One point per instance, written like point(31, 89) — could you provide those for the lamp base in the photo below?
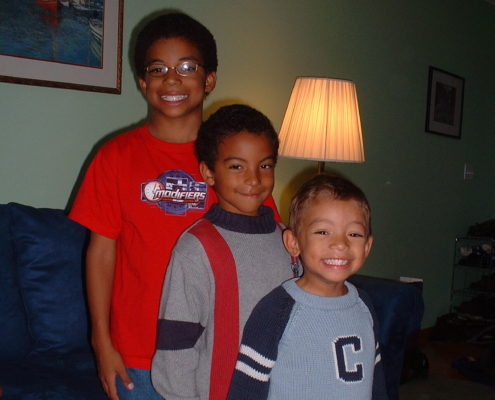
point(321, 167)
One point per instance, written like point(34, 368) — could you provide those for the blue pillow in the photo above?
point(14, 333)
point(49, 249)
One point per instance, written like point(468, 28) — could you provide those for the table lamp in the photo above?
point(322, 122)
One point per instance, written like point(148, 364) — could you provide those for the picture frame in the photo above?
point(444, 103)
point(106, 77)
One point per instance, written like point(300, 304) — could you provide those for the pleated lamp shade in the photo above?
point(322, 122)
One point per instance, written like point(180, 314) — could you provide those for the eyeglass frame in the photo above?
point(174, 68)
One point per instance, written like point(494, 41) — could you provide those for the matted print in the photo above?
point(73, 44)
point(444, 104)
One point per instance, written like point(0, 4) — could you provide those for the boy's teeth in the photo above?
point(336, 262)
point(174, 98)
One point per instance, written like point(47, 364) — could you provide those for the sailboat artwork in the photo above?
point(87, 8)
point(62, 31)
point(96, 26)
point(50, 5)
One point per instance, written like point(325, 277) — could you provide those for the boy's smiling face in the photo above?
point(244, 173)
point(332, 243)
point(174, 97)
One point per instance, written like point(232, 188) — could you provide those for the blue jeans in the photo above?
point(143, 390)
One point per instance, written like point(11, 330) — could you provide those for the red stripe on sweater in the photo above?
point(226, 316)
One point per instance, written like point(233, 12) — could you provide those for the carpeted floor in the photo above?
point(437, 387)
point(445, 382)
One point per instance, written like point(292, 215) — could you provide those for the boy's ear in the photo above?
point(142, 85)
point(291, 243)
point(367, 247)
point(207, 175)
point(211, 81)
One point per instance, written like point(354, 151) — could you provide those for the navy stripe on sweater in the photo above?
point(177, 335)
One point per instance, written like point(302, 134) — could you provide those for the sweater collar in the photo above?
point(348, 300)
point(264, 223)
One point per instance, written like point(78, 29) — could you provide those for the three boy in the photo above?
point(127, 201)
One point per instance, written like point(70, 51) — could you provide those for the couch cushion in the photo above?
point(49, 250)
point(71, 376)
point(14, 334)
point(399, 306)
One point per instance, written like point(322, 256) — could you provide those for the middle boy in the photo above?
point(223, 264)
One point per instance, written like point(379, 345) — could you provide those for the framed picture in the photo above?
point(444, 104)
point(70, 44)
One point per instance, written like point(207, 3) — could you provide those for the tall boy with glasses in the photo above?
point(140, 192)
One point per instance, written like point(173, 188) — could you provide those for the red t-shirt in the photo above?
point(144, 192)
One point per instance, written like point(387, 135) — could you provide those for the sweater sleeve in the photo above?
point(183, 315)
point(259, 346)
point(379, 391)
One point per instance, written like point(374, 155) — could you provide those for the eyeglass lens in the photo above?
point(184, 69)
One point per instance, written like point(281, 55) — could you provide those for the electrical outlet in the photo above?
point(468, 172)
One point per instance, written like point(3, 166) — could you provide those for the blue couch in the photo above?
point(44, 338)
point(400, 309)
point(44, 343)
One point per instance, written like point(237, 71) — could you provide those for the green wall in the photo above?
point(414, 180)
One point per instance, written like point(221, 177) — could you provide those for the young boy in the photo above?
point(224, 263)
point(316, 337)
point(142, 190)
point(136, 200)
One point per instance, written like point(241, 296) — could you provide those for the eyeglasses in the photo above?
point(187, 68)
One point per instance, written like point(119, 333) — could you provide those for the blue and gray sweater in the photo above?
point(300, 346)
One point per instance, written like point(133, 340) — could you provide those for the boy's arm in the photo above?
point(379, 391)
point(100, 267)
point(259, 347)
point(379, 384)
point(183, 316)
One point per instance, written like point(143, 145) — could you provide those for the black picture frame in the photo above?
point(444, 103)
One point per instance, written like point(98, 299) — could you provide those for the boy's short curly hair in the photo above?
point(226, 122)
point(332, 186)
point(176, 25)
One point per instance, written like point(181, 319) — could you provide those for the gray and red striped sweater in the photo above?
point(219, 269)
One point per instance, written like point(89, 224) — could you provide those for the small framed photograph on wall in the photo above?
point(444, 103)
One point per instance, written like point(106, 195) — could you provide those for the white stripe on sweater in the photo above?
point(251, 372)
point(255, 356)
point(378, 356)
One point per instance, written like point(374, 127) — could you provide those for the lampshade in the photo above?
point(322, 122)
